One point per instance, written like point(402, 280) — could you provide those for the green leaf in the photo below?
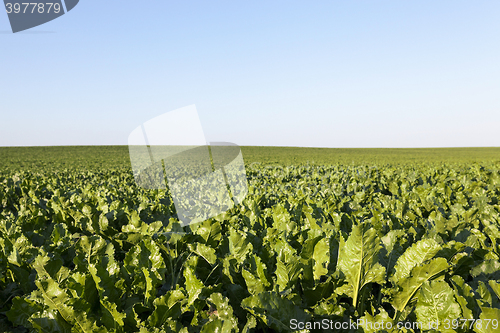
point(489, 268)
point(50, 321)
point(419, 275)
point(111, 317)
point(255, 275)
point(259, 269)
point(465, 297)
point(372, 324)
point(88, 250)
point(58, 300)
point(321, 258)
point(222, 316)
point(282, 219)
point(167, 306)
point(206, 252)
point(391, 239)
point(485, 298)
point(394, 248)
point(215, 325)
point(436, 304)
point(239, 245)
point(490, 321)
point(358, 260)
point(21, 311)
point(274, 311)
point(450, 250)
point(495, 286)
point(193, 285)
point(251, 324)
point(210, 230)
point(105, 273)
point(82, 286)
point(287, 273)
point(308, 247)
point(415, 255)
point(284, 251)
point(253, 283)
point(311, 296)
point(146, 269)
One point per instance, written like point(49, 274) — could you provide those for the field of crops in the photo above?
point(407, 239)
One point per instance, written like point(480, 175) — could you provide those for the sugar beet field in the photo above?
point(327, 240)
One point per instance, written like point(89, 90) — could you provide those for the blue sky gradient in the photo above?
point(275, 73)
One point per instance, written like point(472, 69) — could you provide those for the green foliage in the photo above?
point(436, 303)
point(358, 261)
point(384, 239)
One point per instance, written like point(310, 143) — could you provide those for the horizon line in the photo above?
point(310, 147)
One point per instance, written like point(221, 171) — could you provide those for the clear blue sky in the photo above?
point(286, 73)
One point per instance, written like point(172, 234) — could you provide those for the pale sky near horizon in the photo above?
point(275, 73)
